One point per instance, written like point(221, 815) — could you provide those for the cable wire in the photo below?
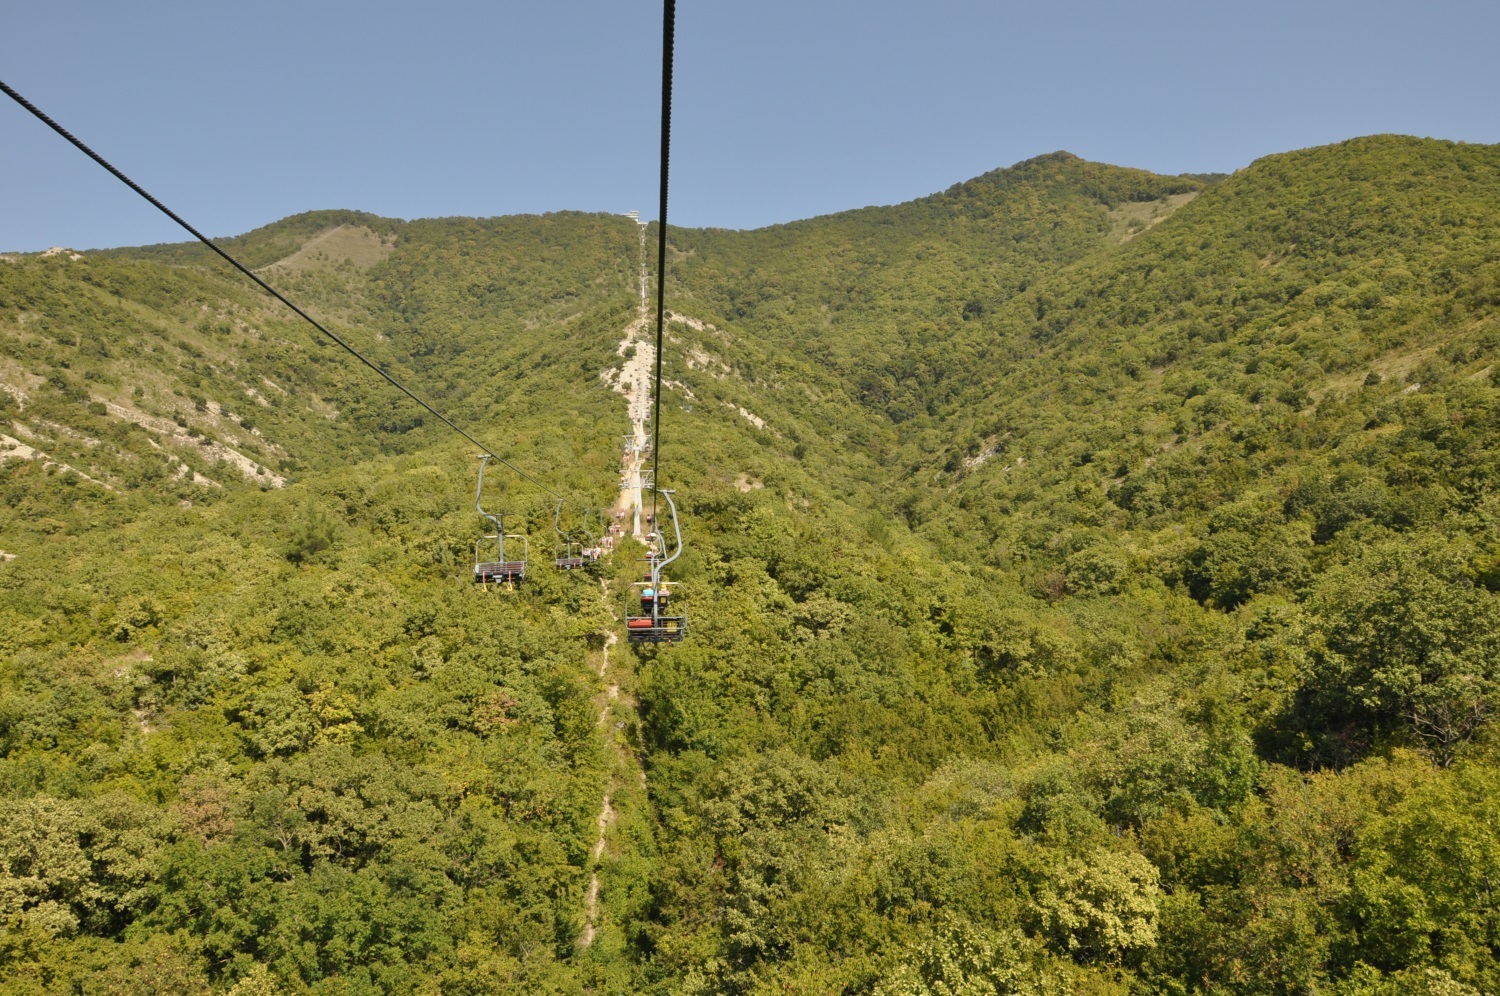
point(669, 18)
point(41, 116)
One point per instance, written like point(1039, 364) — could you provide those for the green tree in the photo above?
point(960, 959)
point(313, 532)
point(1409, 646)
point(1103, 908)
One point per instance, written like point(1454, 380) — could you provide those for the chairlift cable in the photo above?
point(669, 17)
point(42, 116)
point(651, 626)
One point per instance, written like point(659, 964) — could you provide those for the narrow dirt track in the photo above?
point(632, 379)
point(627, 777)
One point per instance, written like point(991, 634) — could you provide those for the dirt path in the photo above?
point(625, 790)
point(633, 379)
point(606, 810)
point(625, 787)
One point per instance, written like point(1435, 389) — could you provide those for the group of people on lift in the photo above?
point(651, 599)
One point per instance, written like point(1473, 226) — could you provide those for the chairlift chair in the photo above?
point(499, 569)
point(567, 559)
point(652, 595)
point(595, 547)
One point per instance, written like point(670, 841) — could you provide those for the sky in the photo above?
point(237, 115)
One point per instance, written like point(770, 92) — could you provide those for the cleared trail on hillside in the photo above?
point(626, 782)
point(625, 788)
point(633, 379)
point(618, 717)
point(607, 814)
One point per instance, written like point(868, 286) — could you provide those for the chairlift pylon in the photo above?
point(500, 569)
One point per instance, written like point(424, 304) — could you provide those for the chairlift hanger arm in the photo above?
point(669, 24)
point(479, 494)
point(656, 568)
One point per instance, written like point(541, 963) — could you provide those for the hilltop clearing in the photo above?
point(342, 244)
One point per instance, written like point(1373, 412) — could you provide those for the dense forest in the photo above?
point(1093, 582)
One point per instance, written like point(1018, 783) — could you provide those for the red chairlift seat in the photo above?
point(662, 629)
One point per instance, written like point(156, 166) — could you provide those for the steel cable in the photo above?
point(669, 18)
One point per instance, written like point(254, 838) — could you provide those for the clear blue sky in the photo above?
point(239, 114)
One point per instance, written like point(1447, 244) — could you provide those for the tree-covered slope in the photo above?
point(1082, 599)
point(1227, 495)
point(162, 368)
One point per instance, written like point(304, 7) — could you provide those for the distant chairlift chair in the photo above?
point(652, 625)
point(499, 569)
point(569, 554)
point(595, 547)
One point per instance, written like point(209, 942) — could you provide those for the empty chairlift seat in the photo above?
point(491, 565)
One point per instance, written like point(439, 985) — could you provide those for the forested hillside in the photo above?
point(1093, 584)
